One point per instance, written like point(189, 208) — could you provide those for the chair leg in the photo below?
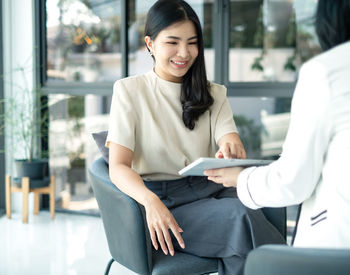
point(25, 192)
point(109, 266)
point(52, 197)
point(36, 203)
point(8, 196)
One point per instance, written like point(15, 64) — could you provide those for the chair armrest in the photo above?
point(286, 260)
point(123, 221)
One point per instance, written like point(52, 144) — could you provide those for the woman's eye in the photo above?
point(172, 43)
point(193, 43)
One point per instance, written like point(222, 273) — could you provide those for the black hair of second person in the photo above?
point(195, 96)
point(332, 22)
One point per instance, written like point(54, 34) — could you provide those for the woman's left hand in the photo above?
point(225, 176)
point(230, 146)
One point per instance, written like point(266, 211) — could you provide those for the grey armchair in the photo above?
point(286, 260)
point(126, 232)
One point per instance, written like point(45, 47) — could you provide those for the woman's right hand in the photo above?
point(159, 222)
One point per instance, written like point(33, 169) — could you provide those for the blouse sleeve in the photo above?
point(122, 120)
point(224, 122)
point(293, 177)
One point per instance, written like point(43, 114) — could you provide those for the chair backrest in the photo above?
point(127, 244)
point(286, 260)
point(278, 218)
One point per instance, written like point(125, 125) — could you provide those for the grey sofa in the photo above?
point(126, 233)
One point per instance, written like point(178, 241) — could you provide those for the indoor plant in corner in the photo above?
point(24, 120)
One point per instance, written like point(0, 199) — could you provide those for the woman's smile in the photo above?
point(179, 64)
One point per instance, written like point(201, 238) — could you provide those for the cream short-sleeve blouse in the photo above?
point(146, 117)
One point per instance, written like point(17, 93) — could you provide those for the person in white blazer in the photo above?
point(314, 167)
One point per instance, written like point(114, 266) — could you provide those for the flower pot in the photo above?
point(34, 169)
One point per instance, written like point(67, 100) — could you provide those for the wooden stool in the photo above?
point(25, 189)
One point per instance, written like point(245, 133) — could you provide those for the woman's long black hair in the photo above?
point(195, 96)
point(332, 22)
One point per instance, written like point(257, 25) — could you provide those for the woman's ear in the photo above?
point(149, 43)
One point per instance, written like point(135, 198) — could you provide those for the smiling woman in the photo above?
point(163, 120)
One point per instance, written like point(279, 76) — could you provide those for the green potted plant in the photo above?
point(28, 119)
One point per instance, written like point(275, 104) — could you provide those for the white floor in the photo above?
point(70, 244)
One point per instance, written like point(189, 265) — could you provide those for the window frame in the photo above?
point(240, 89)
point(221, 28)
point(73, 88)
point(221, 23)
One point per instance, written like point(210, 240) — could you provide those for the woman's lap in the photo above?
point(215, 222)
point(210, 226)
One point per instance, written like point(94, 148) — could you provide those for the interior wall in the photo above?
point(2, 155)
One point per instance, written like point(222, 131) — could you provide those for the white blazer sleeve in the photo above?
point(293, 177)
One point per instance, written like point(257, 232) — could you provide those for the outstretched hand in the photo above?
point(159, 222)
point(225, 176)
point(230, 146)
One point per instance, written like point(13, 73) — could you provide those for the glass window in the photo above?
point(83, 40)
point(139, 59)
point(263, 126)
point(205, 10)
point(269, 40)
point(72, 149)
point(307, 44)
point(267, 43)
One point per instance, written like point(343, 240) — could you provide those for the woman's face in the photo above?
point(174, 49)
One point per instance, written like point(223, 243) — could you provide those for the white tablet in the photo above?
point(197, 167)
